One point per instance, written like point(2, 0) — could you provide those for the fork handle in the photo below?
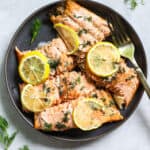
point(142, 77)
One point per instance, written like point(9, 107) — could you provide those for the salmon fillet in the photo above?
point(55, 51)
point(84, 36)
point(64, 87)
point(59, 118)
point(95, 24)
point(123, 84)
point(90, 27)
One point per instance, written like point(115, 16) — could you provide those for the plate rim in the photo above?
point(32, 14)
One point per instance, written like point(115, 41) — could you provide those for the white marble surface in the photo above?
point(134, 134)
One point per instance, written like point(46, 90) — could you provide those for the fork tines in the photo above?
point(119, 33)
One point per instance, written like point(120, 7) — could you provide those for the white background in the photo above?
point(133, 135)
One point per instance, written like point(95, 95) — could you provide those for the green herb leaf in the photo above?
point(130, 78)
point(35, 29)
point(133, 3)
point(78, 80)
point(75, 16)
point(82, 31)
point(47, 126)
point(88, 18)
point(60, 125)
point(25, 147)
point(3, 124)
point(85, 43)
point(93, 105)
point(11, 138)
point(94, 95)
point(53, 63)
point(65, 118)
point(5, 139)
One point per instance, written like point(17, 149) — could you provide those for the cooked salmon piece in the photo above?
point(84, 36)
point(59, 118)
point(123, 84)
point(90, 27)
point(64, 87)
point(96, 25)
point(54, 49)
point(49, 92)
point(56, 53)
point(73, 85)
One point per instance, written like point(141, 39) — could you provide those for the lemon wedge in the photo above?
point(34, 68)
point(87, 114)
point(102, 59)
point(69, 36)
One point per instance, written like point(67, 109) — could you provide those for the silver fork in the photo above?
point(126, 47)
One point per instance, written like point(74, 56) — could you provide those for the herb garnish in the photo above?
point(103, 99)
point(60, 125)
point(109, 79)
point(94, 106)
point(48, 90)
point(130, 77)
point(74, 83)
point(35, 29)
point(111, 103)
point(133, 3)
point(88, 18)
point(5, 138)
point(86, 43)
point(47, 126)
point(121, 70)
point(82, 31)
point(65, 118)
point(53, 63)
point(25, 147)
point(94, 95)
point(82, 88)
point(75, 16)
point(60, 90)
point(78, 80)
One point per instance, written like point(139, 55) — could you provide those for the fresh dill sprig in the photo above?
point(35, 29)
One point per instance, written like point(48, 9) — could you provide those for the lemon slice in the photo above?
point(30, 99)
point(34, 68)
point(69, 36)
point(102, 59)
point(87, 114)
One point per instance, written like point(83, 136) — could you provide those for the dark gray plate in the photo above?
point(22, 39)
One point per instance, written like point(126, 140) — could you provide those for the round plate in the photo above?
point(22, 39)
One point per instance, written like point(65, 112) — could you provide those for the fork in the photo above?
point(126, 47)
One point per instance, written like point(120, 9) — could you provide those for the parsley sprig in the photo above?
point(134, 3)
point(5, 138)
point(25, 147)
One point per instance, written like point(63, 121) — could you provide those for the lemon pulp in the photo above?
point(31, 99)
point(102, 59)
point(87, 114)
point(34, 68)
